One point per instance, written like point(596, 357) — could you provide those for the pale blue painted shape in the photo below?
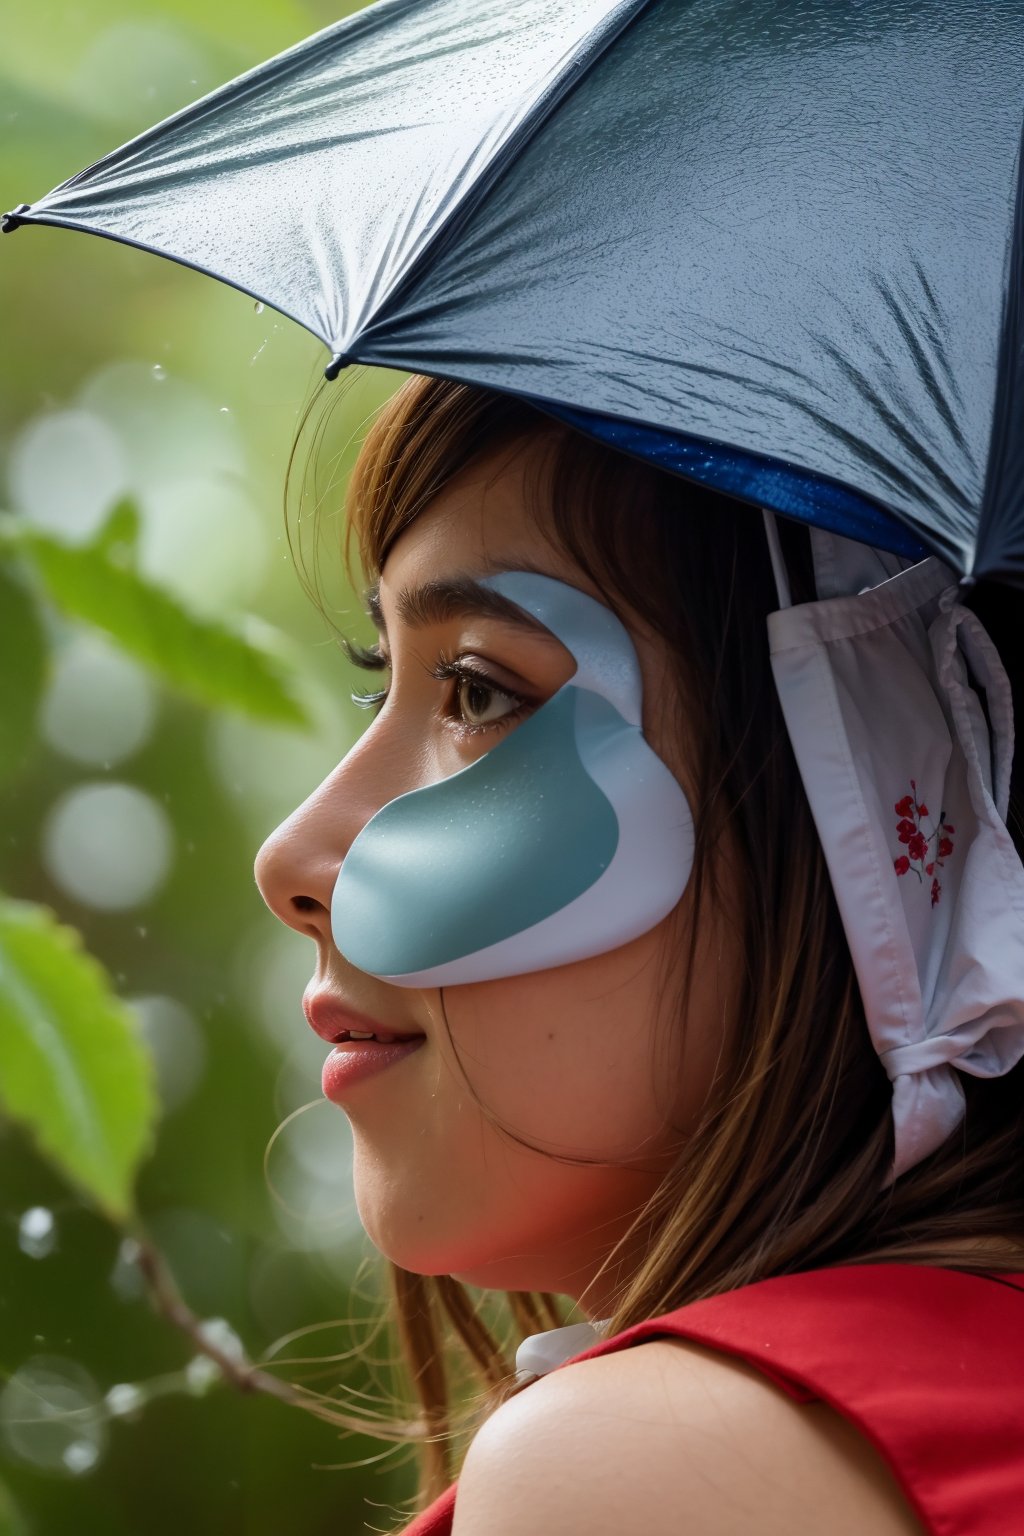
point(449, 869)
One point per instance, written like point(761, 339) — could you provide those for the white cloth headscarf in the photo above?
point(901, 719)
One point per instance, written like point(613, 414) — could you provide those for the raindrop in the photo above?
point(225, 410)
point(159, 371)
point(259, 306)
point(126, 1278)
point(218, 1332)
point(52, 1417)
point(151, 418)
point(201, 1374)
point(37, 1232)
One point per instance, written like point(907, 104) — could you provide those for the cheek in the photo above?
point(587, 1062)
point(567, 1059)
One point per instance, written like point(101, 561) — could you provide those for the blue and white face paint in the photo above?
point(567, 839)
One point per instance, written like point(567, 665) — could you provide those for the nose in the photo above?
point(297, 867)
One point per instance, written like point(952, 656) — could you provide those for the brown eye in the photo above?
point(482, 704)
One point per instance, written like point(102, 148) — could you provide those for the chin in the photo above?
point(405, 1238)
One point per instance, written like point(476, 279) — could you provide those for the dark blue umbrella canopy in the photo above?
point(773, 245)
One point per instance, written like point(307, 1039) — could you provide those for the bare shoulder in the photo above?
point(672, 1440)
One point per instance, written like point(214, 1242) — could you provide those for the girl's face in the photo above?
point(458, 1144)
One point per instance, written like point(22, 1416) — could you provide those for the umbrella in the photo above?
point(773, 245)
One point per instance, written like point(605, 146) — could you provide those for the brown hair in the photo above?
point(784, 1172)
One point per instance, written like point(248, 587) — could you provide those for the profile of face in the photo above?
point(513, 1145)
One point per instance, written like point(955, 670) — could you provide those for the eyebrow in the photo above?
point(455, 597)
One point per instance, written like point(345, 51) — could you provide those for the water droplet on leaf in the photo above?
point(37, 1232)
point(124, 1400)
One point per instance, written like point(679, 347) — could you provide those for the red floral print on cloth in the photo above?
point(920, 858)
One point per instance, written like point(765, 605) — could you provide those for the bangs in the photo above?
point(422, 437)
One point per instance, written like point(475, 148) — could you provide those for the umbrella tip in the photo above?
point(967, 582)
point(13, 220)
point(339, 360)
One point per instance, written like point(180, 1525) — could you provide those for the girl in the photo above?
point(677, 1113)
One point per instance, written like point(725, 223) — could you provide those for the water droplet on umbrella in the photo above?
point(159, 371)
point(37, 1232)
point(225, 410)
point(259, 306)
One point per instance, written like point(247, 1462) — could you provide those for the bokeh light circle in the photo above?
point(100, 707)
point(108, 845)
point(52, 1417)
point(67, 469)
point(135, 72)
point(37, 1232)
point(177, 1045)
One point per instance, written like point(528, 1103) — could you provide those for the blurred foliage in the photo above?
point(167, 694)
point(72, 1067)
point(95, 582)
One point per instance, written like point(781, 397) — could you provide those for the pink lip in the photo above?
point(329, 1019)
point(353, 1060)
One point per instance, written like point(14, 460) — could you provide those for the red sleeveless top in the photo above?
point(928, 1364)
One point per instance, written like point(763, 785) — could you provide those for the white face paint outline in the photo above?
point(567, 839)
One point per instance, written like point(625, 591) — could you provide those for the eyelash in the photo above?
point(451, 669)
point(445, 669)
point(368, 658)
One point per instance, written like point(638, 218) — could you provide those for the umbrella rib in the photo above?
point(579, 63)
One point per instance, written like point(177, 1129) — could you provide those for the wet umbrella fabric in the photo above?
point(773, 245)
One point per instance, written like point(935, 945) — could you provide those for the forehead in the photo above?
point(489, 517)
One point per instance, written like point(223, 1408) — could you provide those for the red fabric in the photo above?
point(927, 1363)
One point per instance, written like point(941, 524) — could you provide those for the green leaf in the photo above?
point(209, 662)
point(73, 1069)
point(23, 661)
point(118, 538)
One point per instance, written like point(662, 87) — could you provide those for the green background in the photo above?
point(121, 374)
